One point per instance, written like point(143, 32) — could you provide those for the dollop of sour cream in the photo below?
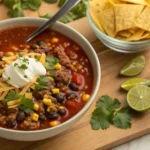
point(20, 72)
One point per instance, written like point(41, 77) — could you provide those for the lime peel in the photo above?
point(127, 85)
point(134, 67)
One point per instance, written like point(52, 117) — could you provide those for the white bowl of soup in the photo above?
point(46, 85)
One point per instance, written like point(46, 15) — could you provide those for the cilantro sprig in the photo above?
point(77, 12)
point(26, 104)
point(50, 63)
point(105, 114)
point(41, 83)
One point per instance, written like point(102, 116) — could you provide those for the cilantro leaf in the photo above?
point(61, 2)
point(12, 95)
point(39, 87)
point(77, 12)
point(26, 105)
point(50, 1)
point(42, 83)
point(50, 63)
point(108, 103)
point(122, 119)
point(10, 3)
point(23, 67)
point(105, 114)
point(43, 80)
point(51, 59)
point(16, 11)
point(47, 16)
point(100, 118)
point(52, 73)
point(30, 4)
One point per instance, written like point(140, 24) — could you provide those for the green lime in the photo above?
point(138, 98)
point(133, 67)
point(127, 85)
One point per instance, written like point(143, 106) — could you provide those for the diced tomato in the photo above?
point(77, 78)
point(72, 104)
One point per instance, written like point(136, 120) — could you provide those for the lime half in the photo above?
point(134, 67)
point(127, 85)
point(138, 98)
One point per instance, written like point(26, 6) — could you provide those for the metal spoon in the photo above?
point(65, 8)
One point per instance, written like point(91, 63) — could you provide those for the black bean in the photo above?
point(73, 86)
point(34, 46)
point(52, 115)
point(60, 98)
point(20, 116)
point(41, 43)
point(42, 117)
point(71, 96)
point(11, 123)
point(62, 112)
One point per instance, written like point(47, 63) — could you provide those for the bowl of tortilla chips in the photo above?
point(122, 25)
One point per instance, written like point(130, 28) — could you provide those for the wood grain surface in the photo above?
point(81, 136)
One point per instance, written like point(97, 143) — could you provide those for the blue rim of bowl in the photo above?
point(108, 37)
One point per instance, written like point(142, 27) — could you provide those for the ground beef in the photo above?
point(51, 84)
point(29, 124)
point(3, 109)
point(42, 50)
point(40, 94)
point(64, 59)
point(62, 78)
point(2, 119)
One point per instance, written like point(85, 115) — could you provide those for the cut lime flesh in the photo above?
point(138, 98)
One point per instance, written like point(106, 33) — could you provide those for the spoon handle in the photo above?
point(65, 8)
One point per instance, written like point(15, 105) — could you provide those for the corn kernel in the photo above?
point(54, 123)
point(85, 97)
point(55, 91)
point(57, 66)
point(61, 107)
point(48, 109)
point(45, 96)
point(36, 107)
point(47, 101)
point(54, 40)
point(26, 123)
point(43, 58)
point(35, 117)
point(10, 54)
point(28, 95)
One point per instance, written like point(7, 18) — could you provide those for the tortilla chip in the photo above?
point(94, 16)
point(145, 35)
point(132, 30)
point(143, 21)
point(143, 2)
point(119, 37)
point(113, 2)
point(107, 20)
point(125, 15)
point(135, 37)
point(125, 33)
point(100, 5)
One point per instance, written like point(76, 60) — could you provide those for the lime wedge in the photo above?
point(127, 85)
point(133, 67)
point(138, 98)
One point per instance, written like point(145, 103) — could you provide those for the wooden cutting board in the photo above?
point(81, 136)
